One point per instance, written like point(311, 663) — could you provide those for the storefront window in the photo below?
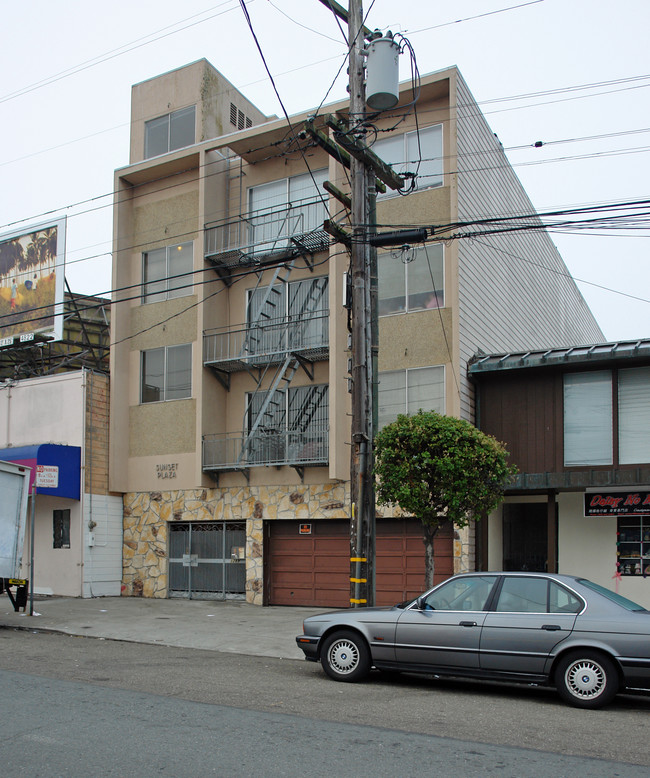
point(633, 545)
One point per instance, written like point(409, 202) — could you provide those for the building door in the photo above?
point(525, 536)
point(207, 560)
point(308, 563)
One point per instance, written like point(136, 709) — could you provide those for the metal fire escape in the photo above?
point(282, 335)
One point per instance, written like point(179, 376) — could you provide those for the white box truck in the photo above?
point(14, 492)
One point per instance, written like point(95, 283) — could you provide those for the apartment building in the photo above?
point(230, 404)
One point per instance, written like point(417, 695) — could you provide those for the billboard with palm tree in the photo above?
point(32, 266)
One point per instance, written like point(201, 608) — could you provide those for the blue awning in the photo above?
point(56, 469)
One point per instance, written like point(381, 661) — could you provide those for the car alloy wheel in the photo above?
point(586, 680)
point(345, 656)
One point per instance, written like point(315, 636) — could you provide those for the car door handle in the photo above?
point(467, 623)
point(551, 627)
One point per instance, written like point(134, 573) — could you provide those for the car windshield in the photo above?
point(617, 598)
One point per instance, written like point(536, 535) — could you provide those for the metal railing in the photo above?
point(263, 343)
point(267, 447)
point(268, 230)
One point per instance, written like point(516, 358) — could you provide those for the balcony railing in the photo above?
point(256, 344)
point(266, 447)
point(287, 231)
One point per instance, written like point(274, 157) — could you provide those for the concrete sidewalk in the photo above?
point(232, 626)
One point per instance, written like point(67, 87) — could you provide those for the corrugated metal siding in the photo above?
point(515, 292)
point(103, 560)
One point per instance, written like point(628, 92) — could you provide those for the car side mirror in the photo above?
point(421, 603)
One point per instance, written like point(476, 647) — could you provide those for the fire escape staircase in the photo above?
point(262, 345)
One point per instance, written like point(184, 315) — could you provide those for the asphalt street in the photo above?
point(465, 715)
point(65, 728)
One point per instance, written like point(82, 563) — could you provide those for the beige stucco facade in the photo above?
point(158, 448)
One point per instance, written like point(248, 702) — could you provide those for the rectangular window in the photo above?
point(418, 152)
point(172, 131)
point(288, 207)
point(166, 373)
point(167, 272)
point(408, 391)
point(411, 280)
point(633, 545)
point(588, 418)
point(61, 528)
point(634, 416)
point(294, 425)
point(295, 316)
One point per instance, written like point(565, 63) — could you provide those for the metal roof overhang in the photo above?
point(61, 463)
point(600, 354)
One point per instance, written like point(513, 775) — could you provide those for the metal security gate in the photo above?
point(207, 560)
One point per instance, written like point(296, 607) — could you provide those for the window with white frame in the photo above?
point(174, 130)
point(418, 152)
point(411, 280)
point(296, 316)
point(294, 427)
point(589, 429)
point(588, 418)
point(290, 206)
point(166, 373)
point(633, 415)
point(167, 272)
point(411, 390)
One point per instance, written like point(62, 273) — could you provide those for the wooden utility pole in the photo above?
point(368, 173)
point(362, 520)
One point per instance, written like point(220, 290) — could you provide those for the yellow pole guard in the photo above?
point(358, 559)
point(358, 602)
point(359, 580)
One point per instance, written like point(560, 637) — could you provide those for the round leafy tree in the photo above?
point(439, 468)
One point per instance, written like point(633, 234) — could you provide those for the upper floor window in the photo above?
point(589, 431)
point(290, 206)
point(633, 415)
point(166, 373)
point(294, 425)
point(411, 280)
point(418, 152)
point(289, 316)
point(172, 131)
point(588, 418)
point(167, 272)
point(408, 391)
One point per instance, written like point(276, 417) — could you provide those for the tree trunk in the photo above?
point(429, 533)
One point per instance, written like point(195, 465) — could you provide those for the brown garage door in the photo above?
point(308, 569)
point(399, 551)
point(314, 570)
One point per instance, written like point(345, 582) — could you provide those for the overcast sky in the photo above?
point(66, 70)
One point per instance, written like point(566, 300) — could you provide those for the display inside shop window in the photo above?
point(633, 546)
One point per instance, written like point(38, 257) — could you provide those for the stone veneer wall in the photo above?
point(147, 514)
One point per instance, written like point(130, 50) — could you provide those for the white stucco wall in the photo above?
point(587, 547)
point(52, 409)
point(42, 410)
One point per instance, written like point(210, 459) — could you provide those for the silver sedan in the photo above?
point(561, 630)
